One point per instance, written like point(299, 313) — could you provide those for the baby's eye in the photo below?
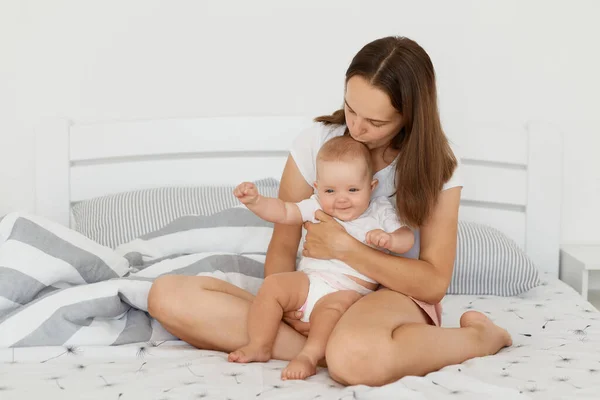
point(328, 190)
point(354, 190)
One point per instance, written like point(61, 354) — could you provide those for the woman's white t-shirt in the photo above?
point(304, 152)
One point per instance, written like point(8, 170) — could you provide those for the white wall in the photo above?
point(507, 61)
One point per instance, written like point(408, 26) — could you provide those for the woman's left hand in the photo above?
point(327, 239)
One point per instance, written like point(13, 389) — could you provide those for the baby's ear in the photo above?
point(315, 185)
point(374, 184)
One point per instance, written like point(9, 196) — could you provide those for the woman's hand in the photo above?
point(327, 239)
point(292, 318)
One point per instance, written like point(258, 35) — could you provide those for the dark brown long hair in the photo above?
point(403, 70)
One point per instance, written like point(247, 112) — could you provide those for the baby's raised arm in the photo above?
point(268, 208)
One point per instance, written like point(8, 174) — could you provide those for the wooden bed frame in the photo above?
point(512, 175)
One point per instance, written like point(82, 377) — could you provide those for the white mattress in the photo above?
point(556, 354)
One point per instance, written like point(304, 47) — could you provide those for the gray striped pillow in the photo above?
point(115, 219)
point(489, 263)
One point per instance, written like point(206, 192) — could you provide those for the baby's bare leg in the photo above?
point(279, 293)
point(324, 317)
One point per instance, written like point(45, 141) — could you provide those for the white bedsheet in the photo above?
point(556, 355)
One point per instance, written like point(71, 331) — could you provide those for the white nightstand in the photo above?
point(578, 260)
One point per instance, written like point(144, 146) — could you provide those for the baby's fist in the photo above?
point(246, 192)
point(379, 238)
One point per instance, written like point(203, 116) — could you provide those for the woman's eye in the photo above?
point(376, 125)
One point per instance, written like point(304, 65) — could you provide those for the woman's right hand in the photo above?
point(293, 319)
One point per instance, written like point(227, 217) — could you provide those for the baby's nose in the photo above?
point(342, 199)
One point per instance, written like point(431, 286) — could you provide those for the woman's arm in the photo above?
point(426, 279)
point(283, 248)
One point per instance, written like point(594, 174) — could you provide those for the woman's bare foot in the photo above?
point(250, 353)
point(493, 338)
point(301, 367)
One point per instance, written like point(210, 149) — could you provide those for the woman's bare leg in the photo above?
point(385, 336)
point(327, 312)
point(211, 314)
point(278, 294)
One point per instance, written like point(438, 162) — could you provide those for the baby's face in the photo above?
point(344, 188)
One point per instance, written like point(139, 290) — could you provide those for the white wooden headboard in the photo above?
point(512, 176)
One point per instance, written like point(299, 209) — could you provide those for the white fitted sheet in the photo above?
point(556, 355)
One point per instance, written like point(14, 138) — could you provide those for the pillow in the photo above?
point(115, 219)
point(489, 263)
point(237, 231)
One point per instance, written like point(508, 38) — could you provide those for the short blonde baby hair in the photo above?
point(344, 148)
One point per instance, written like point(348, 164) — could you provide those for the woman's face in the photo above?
point(370, 116)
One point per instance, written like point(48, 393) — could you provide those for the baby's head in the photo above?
point(344, 178)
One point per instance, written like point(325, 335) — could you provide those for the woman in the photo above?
point(390, 104)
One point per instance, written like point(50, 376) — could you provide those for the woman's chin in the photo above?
point(359, 138)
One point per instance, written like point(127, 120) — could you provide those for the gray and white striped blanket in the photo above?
point(58, 287)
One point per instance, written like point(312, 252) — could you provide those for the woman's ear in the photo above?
point(374, 184)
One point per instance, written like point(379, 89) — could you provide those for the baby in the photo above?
point(322, 289)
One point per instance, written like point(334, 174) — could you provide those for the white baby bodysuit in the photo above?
point(379, 215)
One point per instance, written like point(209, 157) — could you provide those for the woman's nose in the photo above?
point(359, 124)
point(362, 126)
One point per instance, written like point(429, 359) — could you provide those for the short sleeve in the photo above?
point(308, 207)
point(307, 144)
point(304, 152)
point(387, 215)
point(456, 178)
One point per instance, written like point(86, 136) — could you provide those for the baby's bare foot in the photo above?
point(250, 353)
point(492, 336)
point(300, 367)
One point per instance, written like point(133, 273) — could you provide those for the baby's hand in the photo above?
point(247, 193)
point(379, 238)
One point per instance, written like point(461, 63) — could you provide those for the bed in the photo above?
point(510, 176)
